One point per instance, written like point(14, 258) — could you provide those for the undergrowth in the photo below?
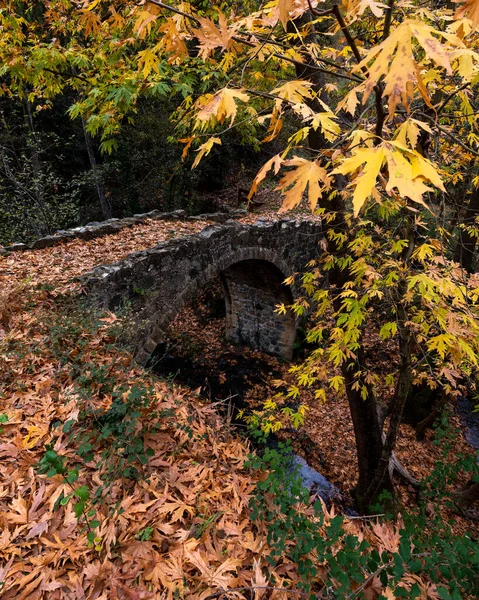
point(413, 555)
point(99, 455)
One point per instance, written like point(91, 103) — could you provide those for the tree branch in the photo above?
point(451, 96)
point(388, 19)
point(242, 40)
point(450, 135)
point(378, 89)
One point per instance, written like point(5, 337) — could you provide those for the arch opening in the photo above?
point(252, 290)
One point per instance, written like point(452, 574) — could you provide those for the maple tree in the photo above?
point(375, 108)
point(376, 99)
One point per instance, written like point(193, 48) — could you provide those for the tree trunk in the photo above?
point(466, 243)
point(36, 167)
point(100, 187)
point(369, 443)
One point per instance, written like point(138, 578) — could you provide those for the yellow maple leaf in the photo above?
point(394, 60)
point(307, 174)
point(219, 106)
point(350, 101)
point(145, 20)
point(295, 91)
point(93, 4)
point(356, 8)
point(409, 131)
point(147, 60)
point(408, 171)
point(275, 163)
point(372, 159)
point(401, 177)
point(205, 149)
point(468, 9)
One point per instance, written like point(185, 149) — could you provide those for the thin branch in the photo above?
point(261, 38)
point(65, 77)
point(451, 136)
point(378, 88)
point(242, 40)
point(388, 19)
point(451, 96)
point(298, 63)
point(347, 34)
point(176, 10)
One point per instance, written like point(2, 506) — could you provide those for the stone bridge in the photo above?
point(252, 262)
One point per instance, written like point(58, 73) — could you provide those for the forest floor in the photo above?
point(177, 521)
point(199, 356)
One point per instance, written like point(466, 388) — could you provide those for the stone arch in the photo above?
point(153, 285)
point(252, 280)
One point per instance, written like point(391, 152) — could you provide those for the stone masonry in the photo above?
point(252, 262)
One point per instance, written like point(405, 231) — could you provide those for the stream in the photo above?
point(470, 421)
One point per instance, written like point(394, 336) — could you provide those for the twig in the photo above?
point(378, 89)
point(241, 40)
point(451, 95)
point(450, 135)
point(175, 10)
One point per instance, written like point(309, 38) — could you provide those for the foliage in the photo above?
point(338, 556)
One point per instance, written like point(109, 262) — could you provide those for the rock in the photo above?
point(45, 242)
point(313, 480)
point(17, 247)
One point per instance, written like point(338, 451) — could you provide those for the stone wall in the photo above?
point(96, 229)
point(252, 261)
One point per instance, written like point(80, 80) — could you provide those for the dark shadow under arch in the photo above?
point(252, 287)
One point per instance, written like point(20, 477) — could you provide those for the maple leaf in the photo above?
point(293, 91)
point(307, 174)
point(211, 36)
point(372, 159)
point(220, 106)
point(394, 60)
point(145, 20)
point(91, 22)
point(172, 41)
point(388, 535)
point(275, 126)
point(205, 149)
point(408, 171)
point(468, 9)
point(275, 163)
point(148, 60)
point(356, 8)
point(409, 132)
point(285, 7)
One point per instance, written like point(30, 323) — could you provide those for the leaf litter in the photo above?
point(184, 525)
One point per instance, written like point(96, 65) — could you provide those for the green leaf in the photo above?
point(78, 508)
point(83, 493)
